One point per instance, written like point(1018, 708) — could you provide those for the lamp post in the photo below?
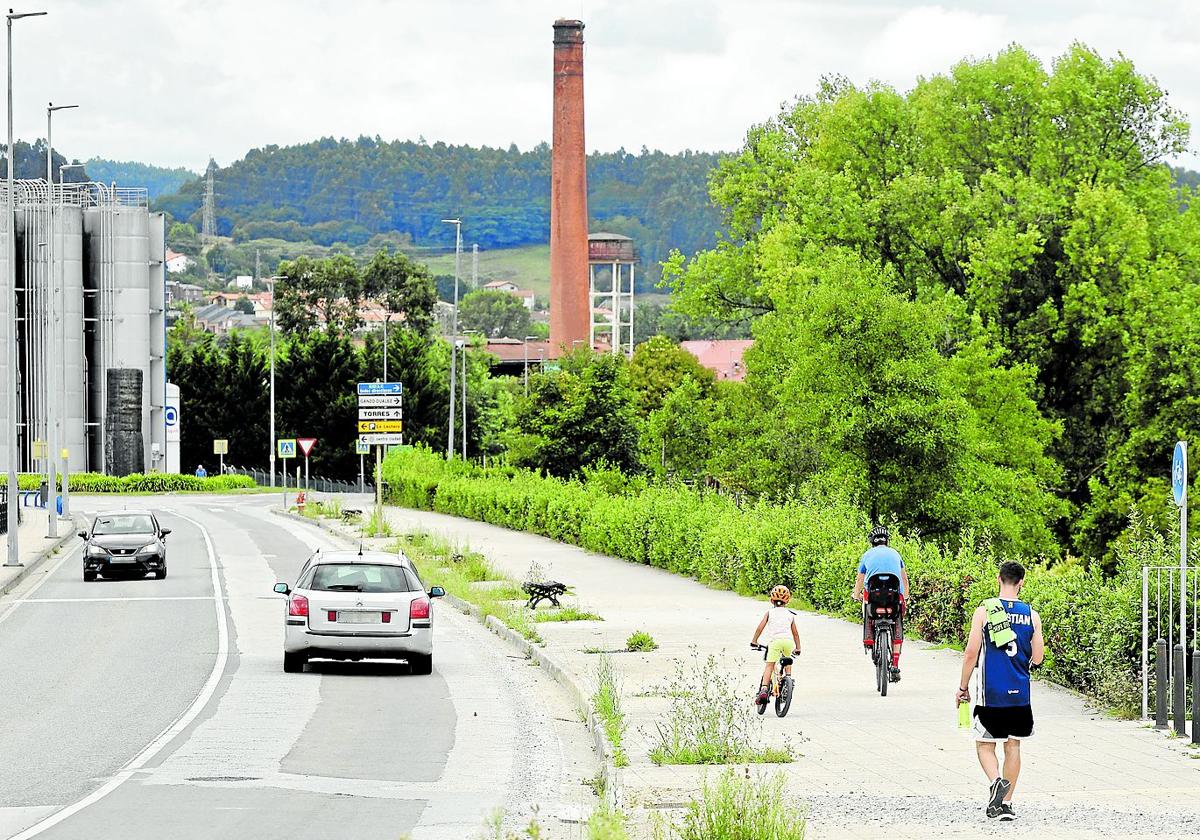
point(14, 557)
point(271, 288)
point(528, 339)
point(53, 411)
point(465, 344)
point(454, 329)
point(62, 375)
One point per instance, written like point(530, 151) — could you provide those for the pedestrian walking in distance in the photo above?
point(1004, 642)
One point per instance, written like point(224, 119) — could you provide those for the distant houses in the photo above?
point(526, 296)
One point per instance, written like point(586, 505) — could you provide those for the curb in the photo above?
point(610, 774)
point(43, 555)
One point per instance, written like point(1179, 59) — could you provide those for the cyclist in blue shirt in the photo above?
point(882, 559)
point(1005, 641)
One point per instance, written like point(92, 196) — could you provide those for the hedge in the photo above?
point(139, 483)
point(1092, 623)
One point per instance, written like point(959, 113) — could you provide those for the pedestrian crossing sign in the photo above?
point(287, 447)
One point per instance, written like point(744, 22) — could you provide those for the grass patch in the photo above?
point(710, 721)
point(736, 807)
point(606, 823)
point(567, 613)
point(640, 641)
point(434, 559)
point(607, 703)
point(377, 525)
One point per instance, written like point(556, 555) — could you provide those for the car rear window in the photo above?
point(124, 523)
point(362, 577)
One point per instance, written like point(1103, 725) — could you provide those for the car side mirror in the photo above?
point(81, 534)
point(437, 592)
point(282, 589)
point(164, 532)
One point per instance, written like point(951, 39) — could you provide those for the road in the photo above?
point(144, 709)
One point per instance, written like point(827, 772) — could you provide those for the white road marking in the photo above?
point(38, 585)
point(123, 600)
point(182, 722)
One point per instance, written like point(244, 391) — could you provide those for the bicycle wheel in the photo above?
point(783, 700)
point(883, 670)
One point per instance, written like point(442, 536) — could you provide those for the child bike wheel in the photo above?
point(783, 700)
point(883, 664)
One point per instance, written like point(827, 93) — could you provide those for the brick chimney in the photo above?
point(570, 315)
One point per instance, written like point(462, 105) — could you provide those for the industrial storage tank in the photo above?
point(8, 384)
point(131, 341)
point(68, 259)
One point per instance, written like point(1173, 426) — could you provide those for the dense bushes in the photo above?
point(139, 483)
point(1091, 623)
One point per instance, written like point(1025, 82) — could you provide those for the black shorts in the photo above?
point(999, 723)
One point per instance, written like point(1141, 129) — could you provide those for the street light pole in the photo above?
point(56, 300)
point(454, 329)
point(271, 288)
point(14, 557)
point(528, 338)
point(62, 377)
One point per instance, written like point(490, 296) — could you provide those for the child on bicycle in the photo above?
point(778, 630)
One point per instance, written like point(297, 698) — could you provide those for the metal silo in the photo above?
point(68, 258)
point(8, 379)
point(131, 342)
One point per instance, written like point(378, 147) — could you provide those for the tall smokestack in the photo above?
point(570, 314)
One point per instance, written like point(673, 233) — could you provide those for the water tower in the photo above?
point(611, 262)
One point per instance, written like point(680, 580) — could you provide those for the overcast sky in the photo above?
point(172, 82)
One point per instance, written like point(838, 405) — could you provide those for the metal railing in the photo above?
point(316, 483)
point(1166, 676)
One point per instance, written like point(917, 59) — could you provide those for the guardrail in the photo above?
point(316, 483)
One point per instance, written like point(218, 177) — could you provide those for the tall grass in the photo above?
point(737, 807)
point(607, 703)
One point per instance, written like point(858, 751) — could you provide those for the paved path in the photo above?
point(895, 766)
point(130, 714)
point(32, 543)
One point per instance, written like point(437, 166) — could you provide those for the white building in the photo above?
point(242, 281)
point(177, 262)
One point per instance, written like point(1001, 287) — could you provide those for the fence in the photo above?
point(1167, 680)
point(316, 483)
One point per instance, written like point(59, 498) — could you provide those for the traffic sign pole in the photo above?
point(306, 474)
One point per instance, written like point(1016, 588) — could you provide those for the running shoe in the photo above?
point(1007, 814)
point(895, 675)
point(998, 790)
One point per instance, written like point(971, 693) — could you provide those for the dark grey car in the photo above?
point(125, 544)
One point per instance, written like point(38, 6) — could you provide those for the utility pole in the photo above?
point(454, 329)
point(208, 218)
point(271, 286)
point(475, 266)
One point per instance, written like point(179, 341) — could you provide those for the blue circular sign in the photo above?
point(1179, 473)
point(171, 415)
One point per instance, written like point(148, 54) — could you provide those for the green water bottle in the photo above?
point(964, 715)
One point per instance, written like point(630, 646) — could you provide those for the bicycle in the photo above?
point(781, 686)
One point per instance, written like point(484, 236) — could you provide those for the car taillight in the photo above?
point(333, 615)
point(419, 608)
point(298, 605)
point(387, 617)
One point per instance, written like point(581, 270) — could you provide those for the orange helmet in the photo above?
point(781, 593)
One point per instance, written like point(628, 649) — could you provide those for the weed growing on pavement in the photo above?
point(567, 613)
point(606, 824)
point(640, 641)
point(377, 525)
point(607, 703)
point(710, 720)
point(432, 557)
point(736, 807)
point(493, 829)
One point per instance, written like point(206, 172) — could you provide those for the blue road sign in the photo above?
point(380, 388)
point(171, 415)
point(1179, 473)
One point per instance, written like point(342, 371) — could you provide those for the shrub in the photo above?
point(812, 545)
point(143, 483)
point(640, 640)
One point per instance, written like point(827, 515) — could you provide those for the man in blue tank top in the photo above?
point(1005, 641)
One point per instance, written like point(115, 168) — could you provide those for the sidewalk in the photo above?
point(865, 764)
point(33, 545)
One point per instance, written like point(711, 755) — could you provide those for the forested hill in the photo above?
point(346, 191)
point(158, 180)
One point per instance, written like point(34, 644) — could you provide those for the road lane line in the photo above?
point(181, 723)
point(122, 600)
point(38, 585)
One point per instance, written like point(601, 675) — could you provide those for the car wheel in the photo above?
point(421, 664)
point(89, 577)
point(293, 663)
point(159, 574)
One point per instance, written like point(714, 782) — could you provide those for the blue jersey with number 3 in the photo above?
point(1004, 672)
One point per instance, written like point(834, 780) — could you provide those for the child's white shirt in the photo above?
point(779, 624)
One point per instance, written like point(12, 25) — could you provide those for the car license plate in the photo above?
point(359, 617)
point(121, 560)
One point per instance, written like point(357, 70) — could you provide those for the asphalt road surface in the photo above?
point(147, 709)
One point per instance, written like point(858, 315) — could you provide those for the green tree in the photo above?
point(580, 416)
point(494, 313)
point(659, 366)
point(243, 305)
point(402, 287)
point(1038, 198)
point(675, 437)
point(312, 293)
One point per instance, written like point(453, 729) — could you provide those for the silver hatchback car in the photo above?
point(348, 605)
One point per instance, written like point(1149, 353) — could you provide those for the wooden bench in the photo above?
point(350, 514)
point(549, 590)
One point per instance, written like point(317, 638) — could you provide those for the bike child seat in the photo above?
point(883, 593)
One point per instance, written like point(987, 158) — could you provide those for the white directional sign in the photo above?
point(379, 388)
point(380, 413)
point(369, 401)
point(378, 439)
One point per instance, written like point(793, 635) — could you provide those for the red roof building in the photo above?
point(724, 358)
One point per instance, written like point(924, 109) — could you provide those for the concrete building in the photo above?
point(176, 262)
point(95, 254)
point(723, 357)
point(526, 296)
